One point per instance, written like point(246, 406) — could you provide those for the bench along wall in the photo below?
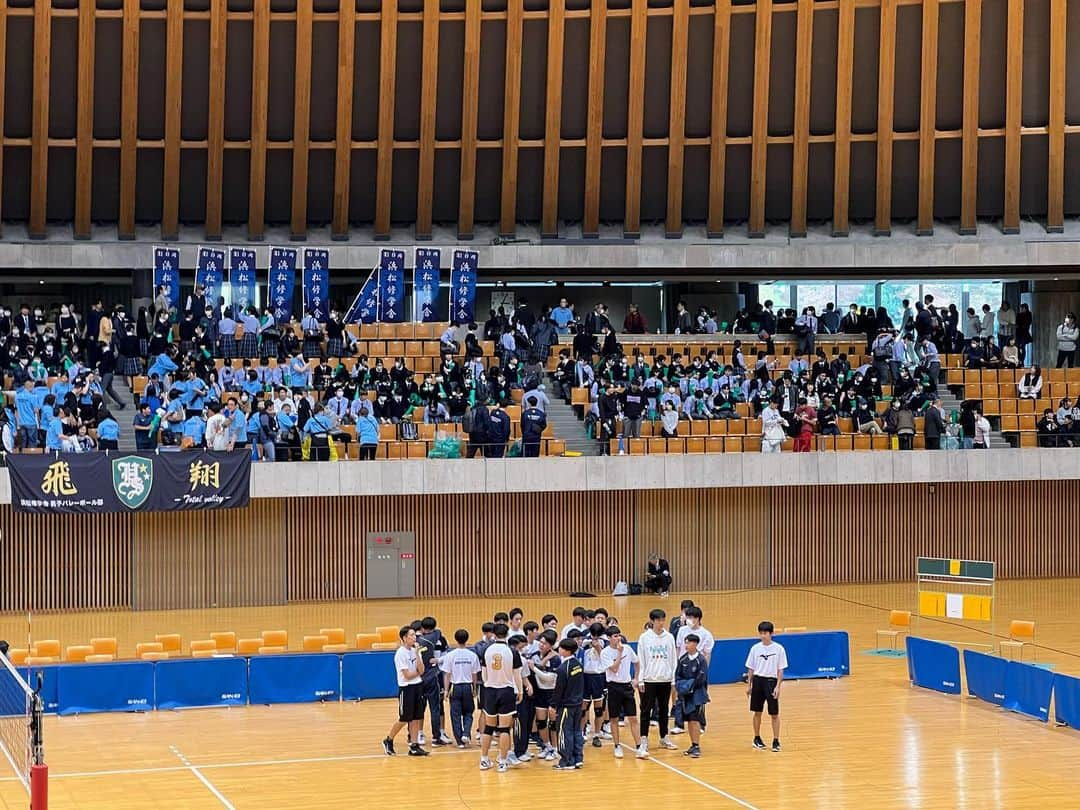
point(299, 549)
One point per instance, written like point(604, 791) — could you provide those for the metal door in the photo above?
point(391, 565)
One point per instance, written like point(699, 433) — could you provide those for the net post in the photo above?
point(39, 787)
point(39, 771)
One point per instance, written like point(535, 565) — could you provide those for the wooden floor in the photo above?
point(867, 741)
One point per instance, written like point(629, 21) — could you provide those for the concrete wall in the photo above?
point(731, 470)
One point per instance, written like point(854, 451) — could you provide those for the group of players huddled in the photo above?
point(535, 683)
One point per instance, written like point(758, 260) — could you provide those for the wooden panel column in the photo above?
point(39, 126)
point(3, 60)
point(718, 136)
point(215, 125)
point(470, 105)
point(970, 132)
point(595, 122)
point(760, 125)
point(928, 117)
point(800, 154)
point(1055, 203)
point(429, 81)
point(301, 119)
point(885, 118)
point(260, 88)
point(844, 66)
point(677, 119)
point(511, 119)
point(174, 69)
point(339, 228)
point(635, 118)
point(84, 123)
point(1014, 77)
point(129, 120)
point(385, 146)
point(549, 226)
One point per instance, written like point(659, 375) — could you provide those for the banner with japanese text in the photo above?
point(365, 307)
point(242, 279)
point(426, 272)
point(210, 272)
point(317, 283)
point(281, 282)
point(167, 274)
point(391, 286)
point(137, 482)
point(463, 286)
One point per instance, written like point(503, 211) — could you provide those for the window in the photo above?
point(862, 294)
point(893, 294)
point(779, 293)
point(945, 294)
point(815, 295)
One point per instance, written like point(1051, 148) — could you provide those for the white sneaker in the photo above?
point(677, 730)
point(485, 764)
point(666, 743)
point(643, 751)
point(525, 757)
point(443, 738)
point(605, 735)
point(422, 739)
point(622, 724)
point(501, 768)
point(618, 752)
point(512, 759)
point(606, 728)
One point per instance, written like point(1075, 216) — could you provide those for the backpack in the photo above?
point(407, 431)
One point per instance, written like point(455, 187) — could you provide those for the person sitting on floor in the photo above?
point(658, 575)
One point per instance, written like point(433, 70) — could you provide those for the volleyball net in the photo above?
point(22, 746)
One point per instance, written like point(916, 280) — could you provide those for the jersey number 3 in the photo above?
point(496, 662)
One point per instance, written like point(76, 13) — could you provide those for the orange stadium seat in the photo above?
point(248, 646)
point(104, 646)
point(275, 638)
point(78, 653)
point(170, 642)
point(225, 640)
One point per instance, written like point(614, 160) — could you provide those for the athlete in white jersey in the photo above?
point(501, 670)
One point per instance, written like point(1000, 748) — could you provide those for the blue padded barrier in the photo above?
point(1028, 689)
point(1067, 700)
point(115, 687)
point(197, 682)
point(810, 655)
point(295, 678)
point(985, 676)
point(933, 665)
point(366, 675)
point(48, 685)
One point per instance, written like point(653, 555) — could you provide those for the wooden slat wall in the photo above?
point(311, 549)
point(671, 44)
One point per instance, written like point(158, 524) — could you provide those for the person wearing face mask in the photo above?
point(65, 321)
point(1067, 335)
point(850, 323)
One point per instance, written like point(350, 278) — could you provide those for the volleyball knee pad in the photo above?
point(490, 730)
point(598, 711)
point(541, 724)
point(504, 729)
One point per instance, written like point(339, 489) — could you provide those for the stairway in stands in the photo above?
point(950, 403)
point(566, 424)
point(125, 417)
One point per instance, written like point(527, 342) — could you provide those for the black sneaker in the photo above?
point(776, 746)
point(596, 742)
point(417, 751)
point(438, 743)
point(693, 751)
point(388, 747)
point(759, 743)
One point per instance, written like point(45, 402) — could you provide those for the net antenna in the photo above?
point(22, 743)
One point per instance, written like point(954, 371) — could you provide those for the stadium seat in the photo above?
point(225, 640)
point(148, 646)
point(40, 660)
point(335, 648)
point(47, 649)
point(275, 638)
point(203, 653)
point(270, 650)
point(170, 642)
point(314, 643)
point(248, 646)
point(203, 645)
point(18, 656)
point(104, 646)
point(384, 645)
point(78, 652)
point(365, 640)
point(100, 658)
point(388, 632)
point(154, 656)
point(334, 635)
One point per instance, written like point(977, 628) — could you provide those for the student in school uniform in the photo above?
point(460, 666)
point(765, 667)
point(618, 658)
point(410, 671)
point(705, 647)
point(692, 690)
point(565, 709)
point(431, 644)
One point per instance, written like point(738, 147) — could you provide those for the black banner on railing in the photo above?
point(137, 482)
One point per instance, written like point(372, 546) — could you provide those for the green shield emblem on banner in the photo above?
point(132, 478)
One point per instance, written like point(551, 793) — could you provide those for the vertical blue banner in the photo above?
point(391, 286)
point(317, 283)
point(241, 279)
point(463, 286)
point(365, 307)
point(210, 272)
point(281, 281)
point(167, 274)
point(425, 285)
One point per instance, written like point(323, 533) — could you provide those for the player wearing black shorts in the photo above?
point(410, 671)
point(595, 680)
point(765, 667)
point(501, 669)
point(545, 665)
point(617, 659)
